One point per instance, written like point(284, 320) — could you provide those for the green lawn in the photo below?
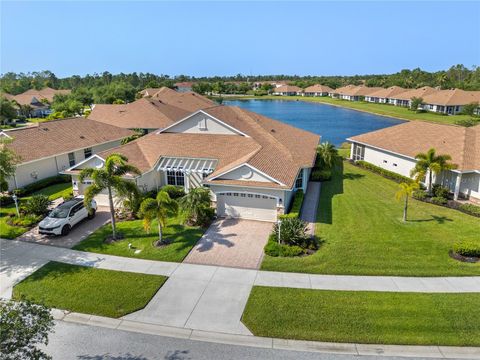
point(364, 317)
point(379, 109)
point(361, 224)
point(89, 290)
point(183, 238)
point(54, 192)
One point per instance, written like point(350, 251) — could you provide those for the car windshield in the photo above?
point(60, 212)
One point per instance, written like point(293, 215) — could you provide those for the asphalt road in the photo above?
point(82, 342)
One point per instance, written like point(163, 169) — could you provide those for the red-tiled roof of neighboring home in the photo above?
point(145, 113)
point(452, 97)
point(411, 138)
point(318, 89)
point(189, 100)
point(389, 92)
point(47, 93)
point(418, 93)
point(288, 88)
point(274, 148)
point(61, 136)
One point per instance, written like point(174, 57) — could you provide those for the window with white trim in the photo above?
point(299, 180)
point(87, 152)
point(358, 152)
point(176, 177)
point(71, 159)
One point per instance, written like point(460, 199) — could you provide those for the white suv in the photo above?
point(65, 216)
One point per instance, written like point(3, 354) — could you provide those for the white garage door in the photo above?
point(102, 200)
point(247, 206)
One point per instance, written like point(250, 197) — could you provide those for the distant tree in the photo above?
point(430, 163)
point(111, 178)
point(160, 208)
point(8, 161)
point(24, 326)
point(84, 96)
point(67, 105)
point(25, 110)
point(415, 103)
point(405, 190)
point(327, 154)
point(7, 110)
point(470, 109)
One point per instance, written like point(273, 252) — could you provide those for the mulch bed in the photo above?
point(468, 259)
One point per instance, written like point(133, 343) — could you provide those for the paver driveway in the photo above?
point(233, 243)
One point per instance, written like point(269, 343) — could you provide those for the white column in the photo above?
point(351, 151)
point(458, 181)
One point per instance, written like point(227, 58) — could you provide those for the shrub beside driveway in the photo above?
point(88, 290)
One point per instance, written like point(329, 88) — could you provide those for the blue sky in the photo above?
point(226, 38)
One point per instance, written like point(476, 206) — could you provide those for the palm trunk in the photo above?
point(160, 235)
point(405, 209)
point(430, 179)
point(112, 213)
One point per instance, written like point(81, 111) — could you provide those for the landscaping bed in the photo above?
point(89, 290)
point(181, 239)
point(364, 317)
point(360, 225)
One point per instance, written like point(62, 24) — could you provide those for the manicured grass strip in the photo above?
point(399, 112)
point(361, 225)
point(364, 317)
point(56, 191)
point(183, 239)
point(89, 290)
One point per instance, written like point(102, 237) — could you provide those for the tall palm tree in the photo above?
point(160, 208)
point(194, 202)
point(111, 178)
point(327, 154)
point(406, 190)
point(430, 163)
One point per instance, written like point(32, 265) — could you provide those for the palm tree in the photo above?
point(160, 208)
point(194, 202)
point(327, 154)
point(111, 178)
point(431, 163)
point(8, 161)
point(406, 190)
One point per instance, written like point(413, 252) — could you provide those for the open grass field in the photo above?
point(364, 317)
point(361, 225)
point(379, 109)
point(89, 290)
point(182, 239)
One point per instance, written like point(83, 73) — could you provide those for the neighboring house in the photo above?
point(317, 90)
point(39, 100)
point(450, 102)
point(275, 84)
point(147, 113)
point(353, 92)
point(190, 101)
point(252, 164)
point(51, 147)
point(394, 149)
point(184, 86)
point(287, 90)
point(384, 96)
point(404, 98)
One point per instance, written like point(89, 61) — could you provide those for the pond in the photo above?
point(334, 124)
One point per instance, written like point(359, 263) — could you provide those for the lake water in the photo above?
point(333, 123)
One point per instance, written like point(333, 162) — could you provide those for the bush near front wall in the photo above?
point(39, 185)
point(321, 174)
point(175, 192)
point(467, 248)
point(296, 206)
point(273, 248)
point(385, 173)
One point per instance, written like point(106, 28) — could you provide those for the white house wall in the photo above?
point(470, 185)
point(194, 125)
point(396, 163)
point(245, 173)
point(271, 192)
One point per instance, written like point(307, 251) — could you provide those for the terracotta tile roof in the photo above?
point(411, 93)
point(61, 136)
point(287, 88)
point(354, 90)
point(274, 148)
point(411, 138)
point(189, 100)
point(145, 113)
point(389, 92)
point(452, 97)
point(46, 93)
point(318, 89)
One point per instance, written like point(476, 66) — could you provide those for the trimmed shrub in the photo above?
point(175, 192)
point(37, 205)
point(6, 200)
point(440, 191)
point(205, 216)
point(420, 195)
point(273, 248)
point(296, 206)
point(467, 248)
point(24, 221)
point(438, 200)
point(321, 175)
point(385, 173)
point(292, 231)
point(39, 185)
point(470, 209)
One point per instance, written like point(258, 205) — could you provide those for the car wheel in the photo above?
point(66, 229)
point(91, 215)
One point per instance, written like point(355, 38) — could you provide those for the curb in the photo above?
point(445, 352)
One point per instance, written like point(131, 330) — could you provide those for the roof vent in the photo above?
point(273, 130)
point(82, 137)
point(45, 129)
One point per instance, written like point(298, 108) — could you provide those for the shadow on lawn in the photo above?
point(438, 219)
point(328, 190)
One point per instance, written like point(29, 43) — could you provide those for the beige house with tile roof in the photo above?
point(317, 90)
point(54, 146)
point(383, 96)
point(404, 98)
point(287, 90)
point(38, 99)
point(189, 100)
point(353, 92)
point(252, 164)
point(395, 148)
point(450, 102)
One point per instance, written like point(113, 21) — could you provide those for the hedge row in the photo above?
point(296, 206)
point(39, 185)
point(385, 173)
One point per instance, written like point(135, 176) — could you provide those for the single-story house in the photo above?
point(317, 90)
point(189, 101)
point(404, 98)
point(39, 100)
point(252, 164)
point(287, 90)
point(184, 86)
point(394, 149)
point(450, 102)
point(54, 146)
point(353, 92)
point(383, 96)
